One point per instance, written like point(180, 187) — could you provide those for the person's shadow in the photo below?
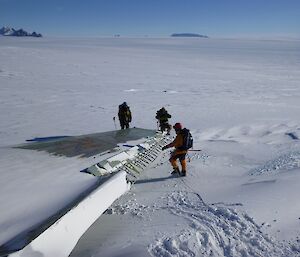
point(152, 180)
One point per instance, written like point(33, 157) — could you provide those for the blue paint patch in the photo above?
point(45, 139)
point(128, 145)
point(292, 135)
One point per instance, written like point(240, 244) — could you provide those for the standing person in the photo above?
point(162, 116)
point(182, 143)
point(124, 115)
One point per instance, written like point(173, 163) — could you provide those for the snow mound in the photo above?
point(213, 231)
point(285, 162)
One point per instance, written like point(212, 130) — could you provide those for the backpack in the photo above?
point(162, 115)
point(124, 113)
point(187, 139)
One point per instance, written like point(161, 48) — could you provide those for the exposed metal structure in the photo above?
point(133, 160)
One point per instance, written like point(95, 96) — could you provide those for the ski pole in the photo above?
point(195, 150)
point(114, 119)
point(189, 158)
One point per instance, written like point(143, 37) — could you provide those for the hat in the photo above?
point(177, 126)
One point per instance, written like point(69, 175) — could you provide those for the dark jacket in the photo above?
point(124, 113)
point(162, 115)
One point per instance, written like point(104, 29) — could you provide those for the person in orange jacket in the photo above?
point(178, 153)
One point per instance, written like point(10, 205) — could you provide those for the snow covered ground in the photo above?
point(240, 98)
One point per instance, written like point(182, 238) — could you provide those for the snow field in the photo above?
point(239, 98)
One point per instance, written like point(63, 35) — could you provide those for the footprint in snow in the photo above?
point(214, 231)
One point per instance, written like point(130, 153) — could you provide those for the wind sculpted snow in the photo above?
point(213, 231)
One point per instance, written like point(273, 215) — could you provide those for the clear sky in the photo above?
point(215, 18)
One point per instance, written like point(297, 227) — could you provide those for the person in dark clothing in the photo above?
point(124, 115)
point(163, 116)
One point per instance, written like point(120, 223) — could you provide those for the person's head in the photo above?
point(125, 104)
point(177, 127)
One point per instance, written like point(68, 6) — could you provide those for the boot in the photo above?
point(183, 173)
point(175, 171)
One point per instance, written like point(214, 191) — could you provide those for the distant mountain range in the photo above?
point(188, 35)
point(7, 31)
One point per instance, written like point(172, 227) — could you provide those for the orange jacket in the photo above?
point(178, 141)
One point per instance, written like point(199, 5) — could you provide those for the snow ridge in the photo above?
point(285, 162)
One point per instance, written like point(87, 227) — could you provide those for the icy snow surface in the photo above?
point(239, 98)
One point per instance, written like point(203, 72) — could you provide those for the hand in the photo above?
point(164, 148)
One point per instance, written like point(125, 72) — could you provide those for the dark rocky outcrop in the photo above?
point(7, 31)
point(188, 35)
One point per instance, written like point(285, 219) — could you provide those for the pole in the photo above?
point(114, 119)
point(189, 158)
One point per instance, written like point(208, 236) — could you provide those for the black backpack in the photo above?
point(187, 139)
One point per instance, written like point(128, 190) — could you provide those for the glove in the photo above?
point(164, 148)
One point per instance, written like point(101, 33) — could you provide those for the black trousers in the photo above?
point(164, 126)
point(124, 125)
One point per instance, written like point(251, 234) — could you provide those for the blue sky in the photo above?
point(215, 18)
